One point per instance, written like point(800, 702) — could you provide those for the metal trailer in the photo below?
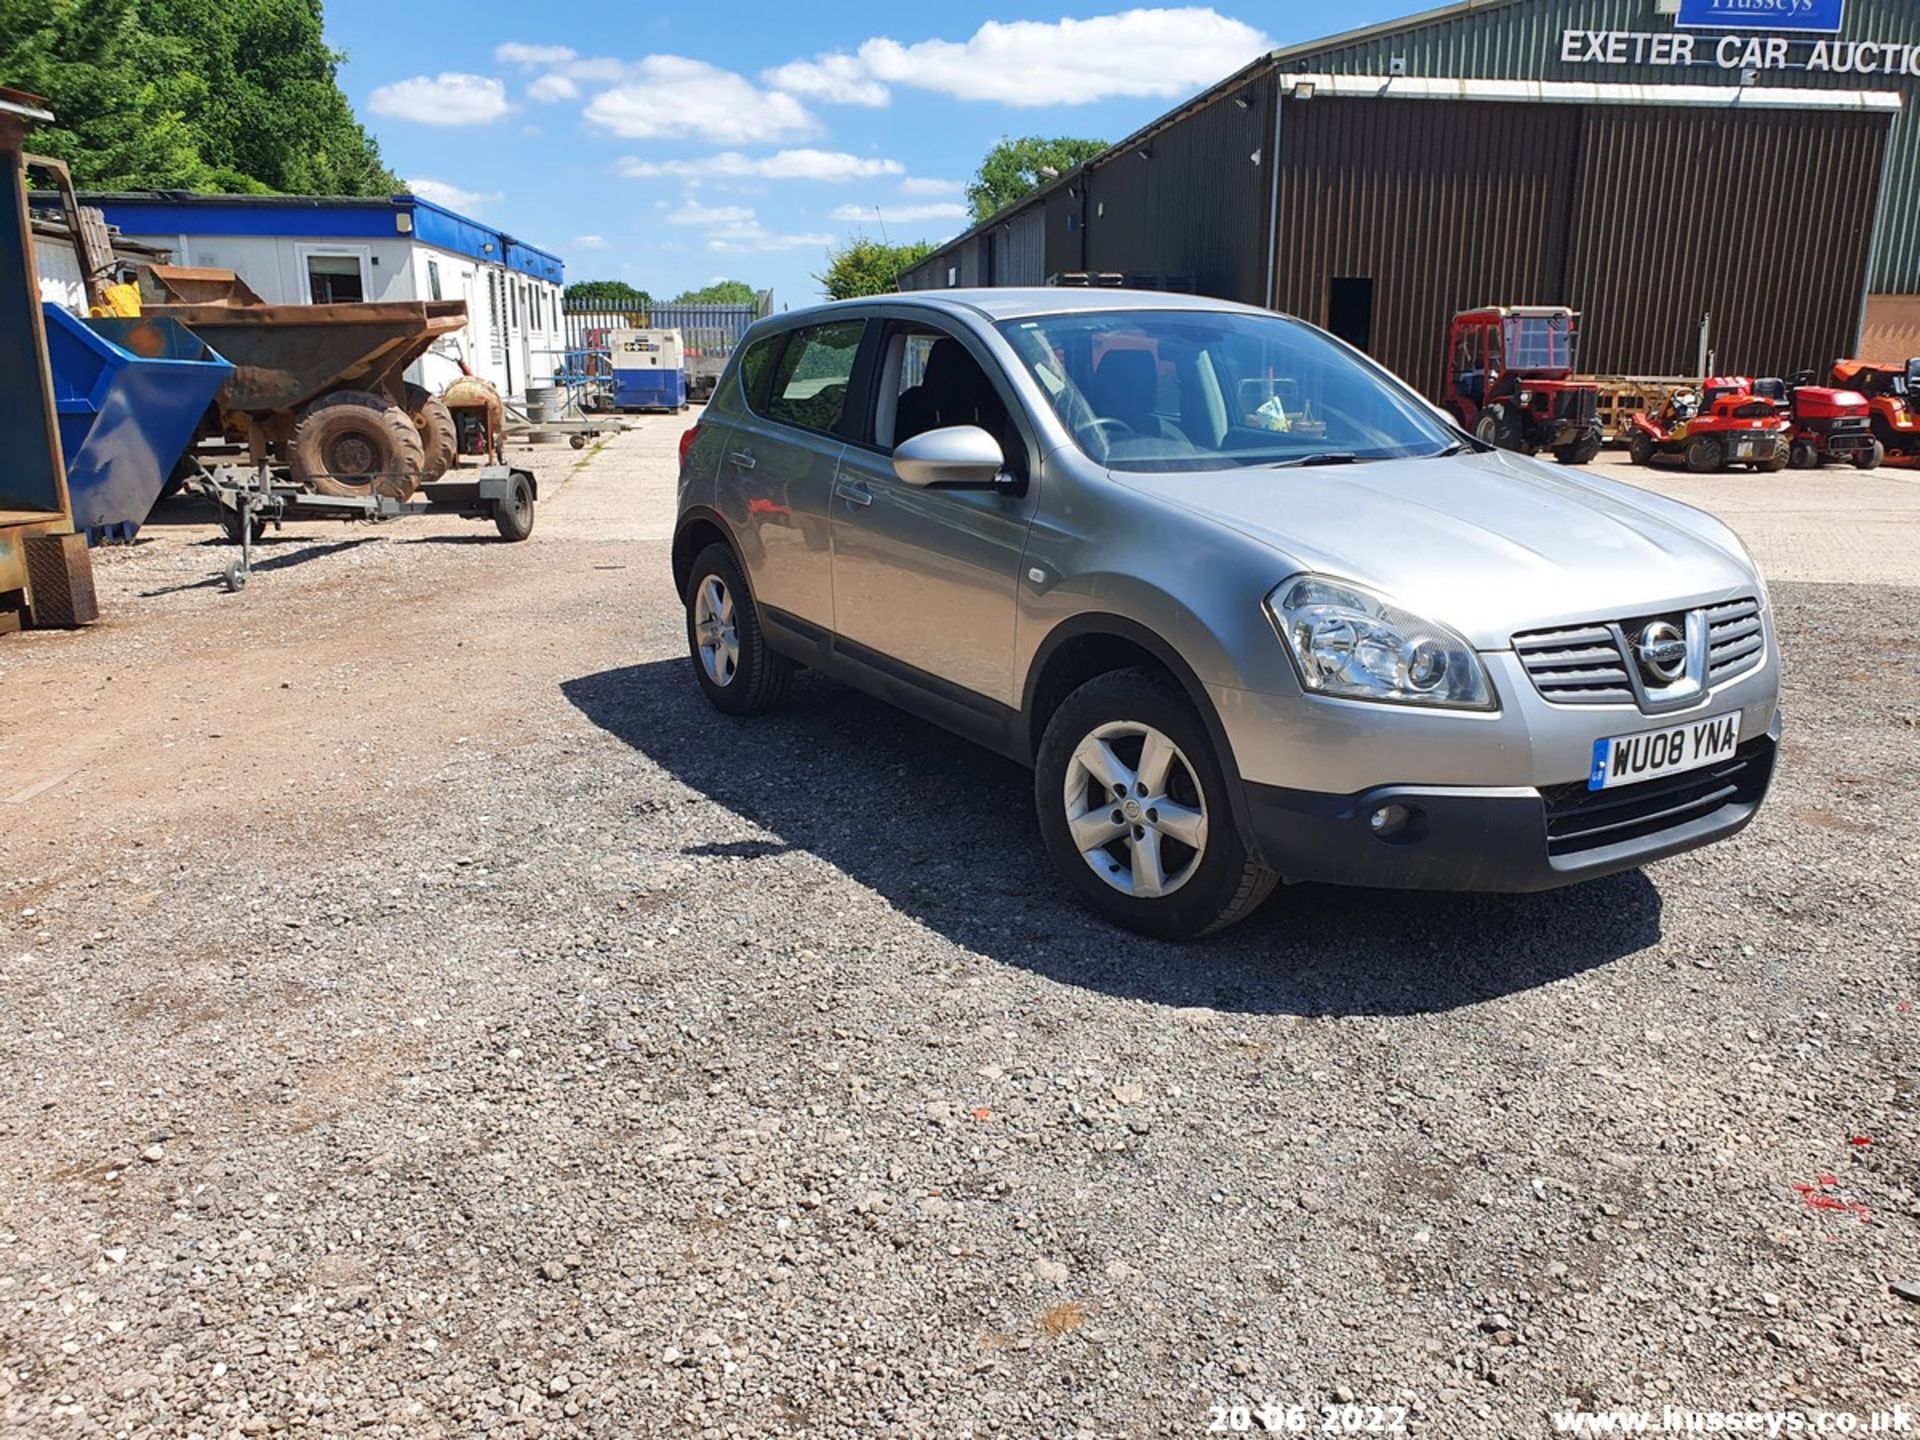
point(649, 369)
point(253, 496)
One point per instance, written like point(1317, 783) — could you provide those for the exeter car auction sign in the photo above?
point(1672, 49)
point(1817, 16)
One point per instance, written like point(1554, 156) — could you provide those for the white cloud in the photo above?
point(835, 79)
point(469, 202)
point(589, 242)
point(828, 165)
point(450, 98)
point(515, 52)
point(925, 185)
point(670, 95)
point(902, 214)
point(692, 212)
point(549, 88)
point(1028, 63)
point(753, 236)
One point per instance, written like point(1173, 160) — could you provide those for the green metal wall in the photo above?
point(1521, 39)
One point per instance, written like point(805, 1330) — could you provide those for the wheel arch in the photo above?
point(1091, 644)
point(698, 528)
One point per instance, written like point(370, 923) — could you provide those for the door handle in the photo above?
point(744, 459)
point(853, 493)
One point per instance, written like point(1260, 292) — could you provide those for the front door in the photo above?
point(928, 578)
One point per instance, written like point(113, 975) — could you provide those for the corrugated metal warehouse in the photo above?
point(1652, 163)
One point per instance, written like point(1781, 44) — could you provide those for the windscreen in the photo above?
point(1540, 342)
point(1198, 390)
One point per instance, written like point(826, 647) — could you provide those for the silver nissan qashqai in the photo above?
point(1251, 608)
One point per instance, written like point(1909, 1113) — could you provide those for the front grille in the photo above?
point(1583, 664)
point(1580, 819)
point(1734, 639)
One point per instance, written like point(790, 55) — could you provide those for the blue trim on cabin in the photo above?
point(327, 218)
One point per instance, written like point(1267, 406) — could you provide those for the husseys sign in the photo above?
point(1817, 16)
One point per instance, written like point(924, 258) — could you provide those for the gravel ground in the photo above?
point(422, 1016)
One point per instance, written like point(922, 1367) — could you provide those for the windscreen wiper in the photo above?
point(1320, 457)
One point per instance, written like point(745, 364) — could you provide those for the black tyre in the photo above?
point(231, 528)
point(513, 516)
point(1640, 447)
point(731, 659)
point(1498, 426)
point(1136, 813)
point(1777, 461)
point(353, 442)
point(1580, 452)
point(1705, 455)
point(439, 437)
point(1803, 456)
point(1869, 458)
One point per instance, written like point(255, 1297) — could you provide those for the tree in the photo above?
point(205, 95)
point(1012, 169)
point(606, 295)
point(721, 292)
point(867, 267)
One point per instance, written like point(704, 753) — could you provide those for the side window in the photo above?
point(754, 368)
point(810, 385)
point(930, 381)
point(433, 279)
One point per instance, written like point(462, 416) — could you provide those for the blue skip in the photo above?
point(130, 393)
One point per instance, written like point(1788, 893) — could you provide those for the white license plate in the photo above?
point(1629, 759)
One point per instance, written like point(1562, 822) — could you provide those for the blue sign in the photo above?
point(1822, 17)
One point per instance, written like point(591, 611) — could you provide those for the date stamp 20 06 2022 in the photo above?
point(1274, 1417)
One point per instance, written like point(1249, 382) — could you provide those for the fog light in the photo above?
point(1389, 819)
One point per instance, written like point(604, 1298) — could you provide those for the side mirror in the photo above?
point(956, 457)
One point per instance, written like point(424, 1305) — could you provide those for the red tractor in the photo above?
point(1829, 423)
point(1892, 393)
point(1726, 424)
point(1510, 382)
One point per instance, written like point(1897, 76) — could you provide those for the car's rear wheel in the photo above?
point(731, 660)
point(1135, 810)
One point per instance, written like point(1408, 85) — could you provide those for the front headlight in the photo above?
point(1349, 642)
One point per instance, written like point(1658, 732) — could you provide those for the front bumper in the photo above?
point(1506, 839)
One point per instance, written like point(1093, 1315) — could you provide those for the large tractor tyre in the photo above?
point(1499, 426)
point(1640, 448)
point(354, 443)
point(1581, 452)
point(1705, 456)
point(1777, 462)
point(1803, 456)
point(439, 437)
point(1869, 458)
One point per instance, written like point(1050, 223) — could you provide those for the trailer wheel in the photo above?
point(1869, 458)
point(513, 517)
point(351, 442)
point(439, 437)
point(230, 526)
point(1704, 456)
point(1804, 456)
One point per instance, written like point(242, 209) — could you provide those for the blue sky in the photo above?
point(668, 145)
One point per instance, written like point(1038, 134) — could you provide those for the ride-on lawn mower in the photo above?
point(1829, 423)
point(1891, 393)
point(1510, 381)
point(1726, 424)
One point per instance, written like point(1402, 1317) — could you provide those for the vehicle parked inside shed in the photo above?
point(1891, 392)
point(1726, 424)
point(1509, 381)
point(1368, 650)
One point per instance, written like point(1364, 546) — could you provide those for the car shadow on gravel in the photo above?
point(945, 831)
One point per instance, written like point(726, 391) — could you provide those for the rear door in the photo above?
point(777, 471)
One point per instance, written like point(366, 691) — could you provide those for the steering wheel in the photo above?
point(1101, 425)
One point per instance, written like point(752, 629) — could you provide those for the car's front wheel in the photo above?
point(739, 674)
point(1135, 811)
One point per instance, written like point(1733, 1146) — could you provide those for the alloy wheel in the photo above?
point(1135, 809)
point(713, 627)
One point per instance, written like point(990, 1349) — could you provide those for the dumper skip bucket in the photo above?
point(130, 394)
